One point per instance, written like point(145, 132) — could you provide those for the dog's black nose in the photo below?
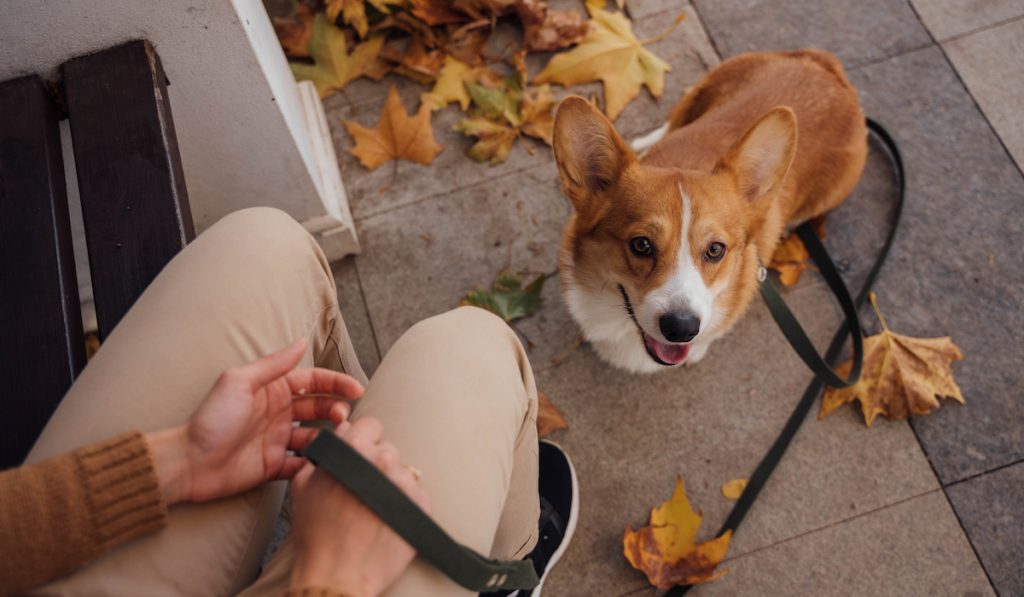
point(679, 327)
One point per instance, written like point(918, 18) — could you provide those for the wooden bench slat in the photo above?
point(130, 179)
point(42, 349)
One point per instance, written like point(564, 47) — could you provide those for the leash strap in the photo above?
point(794, 332)
point(778, 449)
point(458, 562)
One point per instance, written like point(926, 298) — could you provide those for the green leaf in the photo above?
point(508, 298)
point(496, 103)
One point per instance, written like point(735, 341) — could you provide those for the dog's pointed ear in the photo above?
point(760, 160)
point(590, 154)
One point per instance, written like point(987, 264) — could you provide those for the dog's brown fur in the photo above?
point(733, 147)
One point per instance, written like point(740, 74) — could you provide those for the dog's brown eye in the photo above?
point(641, 246)
point(714, 252)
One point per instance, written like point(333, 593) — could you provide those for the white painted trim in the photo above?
point(336, 232)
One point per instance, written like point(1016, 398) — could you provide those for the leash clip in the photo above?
point(762, 273)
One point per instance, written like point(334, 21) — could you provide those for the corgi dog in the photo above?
point(661, 254)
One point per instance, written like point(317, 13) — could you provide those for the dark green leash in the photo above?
point(478, 573)
point(804, 347)
point(458, 562)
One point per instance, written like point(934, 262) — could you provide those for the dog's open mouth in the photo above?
point(665, 354)
point(662, 353)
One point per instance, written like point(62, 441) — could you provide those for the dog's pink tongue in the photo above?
point(673, 354)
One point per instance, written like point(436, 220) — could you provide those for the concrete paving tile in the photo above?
point(912, 548)
point(858, 32)
point(357, 318)
point(989, 62)
point(400, 183)
point(688, 50)
point(955, 266)
point(421, 259)
point(949, 18)
point(991, 509)
point(638, 9)
point(630, 436)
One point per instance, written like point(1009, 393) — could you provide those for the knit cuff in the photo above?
point(313, 592)
point(122, 489)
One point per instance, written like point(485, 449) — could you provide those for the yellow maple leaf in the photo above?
point(666, 550)
point(732, 490)
point(396, 136)
point(902, 376)
point(609, 53)
point(353, 12)
point(602, 3)
point(335, 67)
point(451, 85)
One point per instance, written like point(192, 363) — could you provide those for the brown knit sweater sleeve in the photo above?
point(59, 514)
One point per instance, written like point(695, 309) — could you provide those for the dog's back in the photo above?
point(832, 137)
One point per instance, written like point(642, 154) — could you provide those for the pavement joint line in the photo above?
point(366, 307)
point(995, 469)
point(970, 32)
point(393, 208)
point(834, 524)
point(706, 29)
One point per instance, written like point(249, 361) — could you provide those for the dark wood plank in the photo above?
point(134, 201)
point(42, 348)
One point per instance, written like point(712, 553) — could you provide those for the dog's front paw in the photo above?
point(697, 354)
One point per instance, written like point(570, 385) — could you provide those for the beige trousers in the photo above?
point(455, 394)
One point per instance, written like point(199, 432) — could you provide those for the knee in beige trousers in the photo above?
point(455, 394)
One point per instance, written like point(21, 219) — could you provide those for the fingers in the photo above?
point(263, 371)
point(291, 467)
point(323, 381)
point(314, 408)
point(301, 436)
point(364, 434)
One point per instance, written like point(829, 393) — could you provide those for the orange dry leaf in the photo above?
point(545, 29)
point(666, 550)
point(396, 136)
point(416, 62)
point(549, 418)
point(902, 376)
point(790, 258)
point(295, 31)
point(335, 67)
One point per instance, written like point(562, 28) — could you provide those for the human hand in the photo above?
point(240, 435)
point(339, 542)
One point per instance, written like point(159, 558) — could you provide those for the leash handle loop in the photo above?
point(791, 328)
point(458, 562)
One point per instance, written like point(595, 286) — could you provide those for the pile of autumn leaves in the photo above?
point(443, 44)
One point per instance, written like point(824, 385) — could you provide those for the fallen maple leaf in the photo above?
point(505, 112)
point(545, 29)
point(508, 298)
point(549, 418)
point(790, 258)
point(451, 85)
point(732, 490)
point(609, 53)
point(335, 67)
point(416, 62)
point(353, 12)
point(396, 136)
point(902, 376)
point(295, 31)
point(666, 550)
